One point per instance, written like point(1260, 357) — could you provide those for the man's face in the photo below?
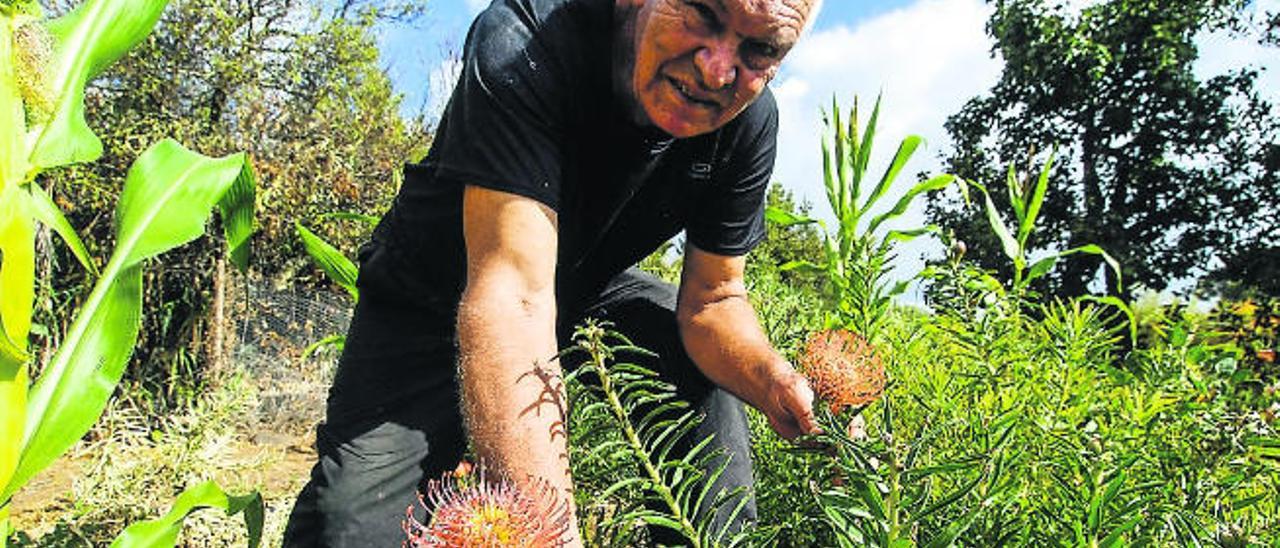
point(698, 63)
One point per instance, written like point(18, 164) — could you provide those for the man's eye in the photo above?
point(759, 54)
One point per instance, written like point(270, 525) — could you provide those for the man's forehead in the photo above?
point(785, 17)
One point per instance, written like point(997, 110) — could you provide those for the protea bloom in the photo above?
point(842, 368)
point(474, 511)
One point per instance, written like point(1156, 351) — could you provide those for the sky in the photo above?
point(926, 58)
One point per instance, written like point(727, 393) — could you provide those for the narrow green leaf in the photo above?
point(802, 266)
point(337, 266)
point(163, 532)
point(1041, 267)
point(1116, 538)
point(908, 235)
point(1009, 245)
point(784, 218)
point(1120, 304)
point(905, 149)
point(864, 149)
point(1015, 192)
point(47, 212)
point(935, 183)
point(88, 39)
point(1037, 199)
point(166, 200)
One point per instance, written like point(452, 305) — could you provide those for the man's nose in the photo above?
point(716, 64)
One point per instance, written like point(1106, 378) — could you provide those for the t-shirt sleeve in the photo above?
point(503, 126)
point(729, 217)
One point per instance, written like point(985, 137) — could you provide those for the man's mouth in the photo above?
point(690, 96)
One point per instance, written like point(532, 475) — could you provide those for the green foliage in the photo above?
point(167, 196)
point(1165, 171)
point(857, 254)
point(163, 531)
point(680, 487)
point(786, 243)
point(1026, 202)
point(299, 87)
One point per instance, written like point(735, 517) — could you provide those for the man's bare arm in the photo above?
point(723, 337)
point(512, 394)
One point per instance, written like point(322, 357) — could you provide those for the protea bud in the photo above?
point(843, 369)
point(474, 511)
point(958, 248)
point(33, 58)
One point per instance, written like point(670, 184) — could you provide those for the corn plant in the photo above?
point(859, 251)
point(336, 266)
point(679, 489)
point(168, 193)
point(1026, 201)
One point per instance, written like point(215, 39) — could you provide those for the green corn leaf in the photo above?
point(908, 235)
point(163, 532)
point(841, 161)
point(1015, 193)
point(906, 148)
point(863, 152)
point(17, 263)
point(935, 183)
point(87, 39)
point(337, 266)
point(1043, 266)
point(801, 266)
point(829, 181)
point(13, 403)
point(47, 212)
point(1120, 304)
point(1009, 245)
point(236, 207)
point(166, 200)
point(784, 218)
point(1028, 220)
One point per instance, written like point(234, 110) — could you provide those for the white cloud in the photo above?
point(927, 59)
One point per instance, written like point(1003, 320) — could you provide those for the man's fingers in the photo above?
point(800, 406)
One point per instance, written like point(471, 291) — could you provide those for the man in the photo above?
point(582, 134)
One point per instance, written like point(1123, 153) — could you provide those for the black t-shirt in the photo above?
point(534, 114)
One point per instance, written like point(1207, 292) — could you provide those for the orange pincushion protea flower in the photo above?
point(472, 511)
point(842, 368)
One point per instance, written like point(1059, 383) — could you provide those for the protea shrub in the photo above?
point(471, 509)
point(843, 369)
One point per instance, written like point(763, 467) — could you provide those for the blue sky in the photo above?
point(927, 57)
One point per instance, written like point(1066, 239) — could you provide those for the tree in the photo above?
point(1168, 173)
point(784, 244)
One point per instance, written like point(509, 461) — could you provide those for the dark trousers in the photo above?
point(393, 420)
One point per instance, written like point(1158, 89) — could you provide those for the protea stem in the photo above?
point(633, 439)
